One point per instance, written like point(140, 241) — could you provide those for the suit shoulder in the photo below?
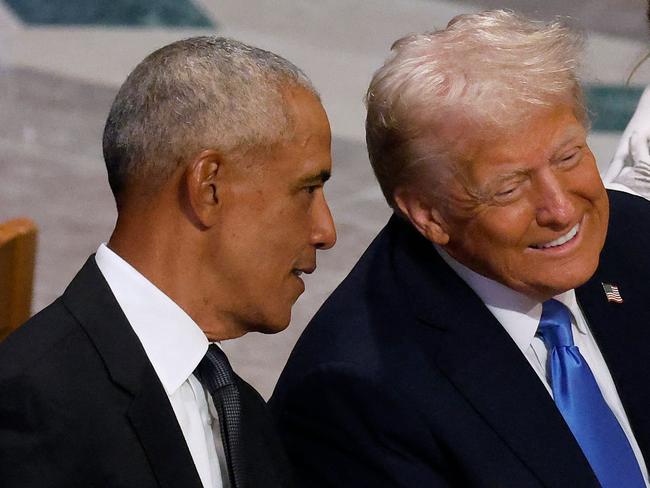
point(247, 390)
point(356, 326)
point(358, 294)
point(628, 233)
point(626, 208)
point(35, 338)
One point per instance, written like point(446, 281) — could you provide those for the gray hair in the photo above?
point(489, 70)
point(195, 94)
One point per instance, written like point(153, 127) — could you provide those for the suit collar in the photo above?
point(90, 301)
point(517, 313)
point(173, 342)
point(476, 354)
point(155, 423)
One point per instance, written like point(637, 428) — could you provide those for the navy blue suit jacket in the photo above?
point(81, 405)
point(405, 379)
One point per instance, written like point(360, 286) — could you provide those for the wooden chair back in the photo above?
point(17, 260)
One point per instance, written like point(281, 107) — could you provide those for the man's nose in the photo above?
point(323, 230)
point(555, 207)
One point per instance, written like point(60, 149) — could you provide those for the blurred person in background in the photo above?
point(216, 154)
point(630, 166)
point(495, 332)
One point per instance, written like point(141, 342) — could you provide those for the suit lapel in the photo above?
point(478, 356)
point(263, 455)
point(489, 370)
point(90, 300)
point(161, 437)
point(622, 332)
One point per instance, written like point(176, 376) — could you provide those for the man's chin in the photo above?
point(272, 326)
point(547, 289)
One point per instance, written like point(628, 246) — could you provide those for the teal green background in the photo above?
point(611, 106)
point(169, 13)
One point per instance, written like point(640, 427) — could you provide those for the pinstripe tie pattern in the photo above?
point(216, 375)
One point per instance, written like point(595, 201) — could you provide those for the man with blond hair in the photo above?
point(495, 332)
point(216, 153)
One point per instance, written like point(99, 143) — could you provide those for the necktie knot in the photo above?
point(214, 371)
point(555, 325)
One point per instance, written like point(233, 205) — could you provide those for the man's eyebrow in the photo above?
point(570, 136)
point(505, 177)
point(321, 177)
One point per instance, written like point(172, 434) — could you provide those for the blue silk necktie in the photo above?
point(582, 405)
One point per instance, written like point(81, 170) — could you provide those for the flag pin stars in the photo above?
point(612, 293)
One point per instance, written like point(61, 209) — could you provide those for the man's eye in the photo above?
point(570, 158)
point(505, 193)
point(312, 188)
point(508, 193)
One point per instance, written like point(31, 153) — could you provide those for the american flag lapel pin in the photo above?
point(612, 293)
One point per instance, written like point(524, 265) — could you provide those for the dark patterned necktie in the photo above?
point(216, 376)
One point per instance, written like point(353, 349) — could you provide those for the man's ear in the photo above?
point(424, 217)
point(202, 186)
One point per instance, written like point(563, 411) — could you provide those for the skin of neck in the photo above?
point(159, 236)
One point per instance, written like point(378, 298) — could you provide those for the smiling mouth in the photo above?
point(560, 240)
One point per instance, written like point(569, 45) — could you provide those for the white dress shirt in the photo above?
point(174, 345)
point(520, 315)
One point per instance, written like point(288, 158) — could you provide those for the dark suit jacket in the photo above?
point(81, 405)
point(404, 378)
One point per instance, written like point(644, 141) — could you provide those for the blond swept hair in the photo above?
point(488, 71)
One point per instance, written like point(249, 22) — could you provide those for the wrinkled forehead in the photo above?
point(537, 137)
point(465, 158)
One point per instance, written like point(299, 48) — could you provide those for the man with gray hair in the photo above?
point(495, 332)
point(217, 153)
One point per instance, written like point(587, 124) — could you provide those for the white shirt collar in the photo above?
point(173, 342)
point(518, 313)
